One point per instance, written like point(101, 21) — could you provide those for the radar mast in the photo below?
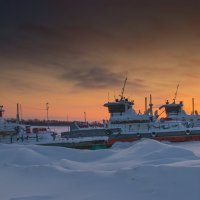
point(123, 88)
point(176, 93)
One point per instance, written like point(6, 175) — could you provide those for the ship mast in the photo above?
point(1, 111)
point(176, 93)
point(17, 116)
point(151, 106)
point(193, 106)
point(145, 108)
point(85, 120)
point(122, 93)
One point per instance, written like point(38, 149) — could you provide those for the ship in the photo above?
point(127, 125)
point(136, 126)
point(174, 111)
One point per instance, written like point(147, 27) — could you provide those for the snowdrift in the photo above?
point(144, 170)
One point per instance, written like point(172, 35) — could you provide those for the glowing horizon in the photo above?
point(94, 110)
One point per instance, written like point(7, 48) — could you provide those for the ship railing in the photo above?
point(158, 126)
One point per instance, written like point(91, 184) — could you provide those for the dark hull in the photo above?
point(176, 136)
point(93, 145)
point(14, 138)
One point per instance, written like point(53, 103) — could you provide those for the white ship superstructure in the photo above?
point(5, 127)
point(175, 112)
point(122, 115)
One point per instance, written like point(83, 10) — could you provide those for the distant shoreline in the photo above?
point(37, 122)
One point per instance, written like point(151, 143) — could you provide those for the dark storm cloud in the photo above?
point(99, 78)
point(95, 77)
point(54, 34)
point(134, 24)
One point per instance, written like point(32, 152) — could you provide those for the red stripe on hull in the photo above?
point(178, 138)
point(110, 142)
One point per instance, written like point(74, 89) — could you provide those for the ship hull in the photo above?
point(92, 145)
point(178, 136)
point(102, 139)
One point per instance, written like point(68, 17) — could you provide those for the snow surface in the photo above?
point(143, 170)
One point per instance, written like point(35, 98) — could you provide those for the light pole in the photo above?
point(47, 109)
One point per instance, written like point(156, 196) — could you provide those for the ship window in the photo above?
point(118, 108)
point(174, 109)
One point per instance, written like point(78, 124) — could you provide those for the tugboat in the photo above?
point(174, 112)
point(137, 127)
point(124, 123)
point(123, 116)
point(134, 126)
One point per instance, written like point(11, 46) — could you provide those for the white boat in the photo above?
point(13, 133)
point(6, 127)
point(175, 112)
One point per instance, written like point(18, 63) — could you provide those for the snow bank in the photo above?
point(144, 170)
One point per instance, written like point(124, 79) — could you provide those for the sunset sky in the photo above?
point(71, 53)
